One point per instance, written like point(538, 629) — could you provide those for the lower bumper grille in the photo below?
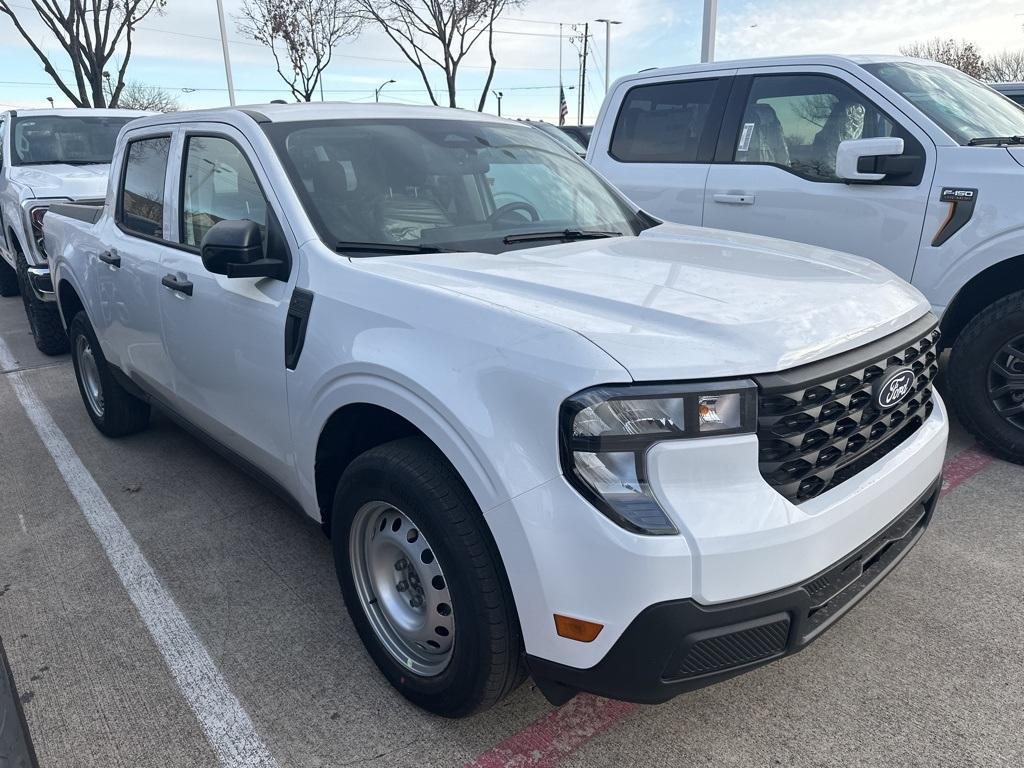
point(817, 432)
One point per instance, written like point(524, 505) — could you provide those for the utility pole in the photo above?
point(583, 70)
point(227, 57)
point(707, 38)
point(608, 52)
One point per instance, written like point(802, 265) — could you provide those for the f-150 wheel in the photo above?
point(43, 316)
point(113, 409)
point(8, 279)
point(986, 376)
point(423, 582)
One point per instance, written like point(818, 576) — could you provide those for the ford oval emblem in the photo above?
point(893, 387)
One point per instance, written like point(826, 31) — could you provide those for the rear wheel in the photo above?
point(113, 409)
point(43, 316)
point(986, 376)
point(423, 582)
point(8, 279)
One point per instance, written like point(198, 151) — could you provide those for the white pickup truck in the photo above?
point(907, 162)
point(543, 430)
point(47, 156)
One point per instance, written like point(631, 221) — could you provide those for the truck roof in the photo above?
point(79, 112)
point(844, 62)
point(319, 110)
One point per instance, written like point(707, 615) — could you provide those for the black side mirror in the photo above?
point(235, 248)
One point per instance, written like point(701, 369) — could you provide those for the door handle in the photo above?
point(181, 286)
point(111, 257)
point(735, 199)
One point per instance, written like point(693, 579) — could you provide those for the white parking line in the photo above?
point(227, 725)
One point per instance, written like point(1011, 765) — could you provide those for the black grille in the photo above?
point(731, 647)
point(819, 433)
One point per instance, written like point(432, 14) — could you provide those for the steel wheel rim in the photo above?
point(89, 371)
point(402, 589)
point(1006, 381)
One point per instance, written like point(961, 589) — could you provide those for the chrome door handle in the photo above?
point(735, 199)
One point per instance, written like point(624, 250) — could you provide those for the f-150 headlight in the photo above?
point(606, 432)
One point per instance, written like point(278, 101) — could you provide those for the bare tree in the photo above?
point(90, 32)
point(440, 34)
point(1005, 67)
point(306, 30)
point(962, 54)
point(149, 98)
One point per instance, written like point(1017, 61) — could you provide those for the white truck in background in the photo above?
point(904, 161)
point(48, 156)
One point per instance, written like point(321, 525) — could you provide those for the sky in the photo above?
point(180, 50)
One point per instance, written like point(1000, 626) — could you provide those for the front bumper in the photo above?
point(41, 283)
point(680, 645)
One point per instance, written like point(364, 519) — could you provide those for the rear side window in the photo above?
point(141, 205)
point(663, 122)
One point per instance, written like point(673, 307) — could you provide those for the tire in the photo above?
point(43, 316)
point(410, 478)
point(114, 410)
point(988, 403)
point(8, 279)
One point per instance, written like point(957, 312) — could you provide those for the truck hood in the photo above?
point(685, 302)
point(1017, 153)
point(76, 182)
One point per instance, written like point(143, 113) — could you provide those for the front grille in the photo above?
point(820, 432)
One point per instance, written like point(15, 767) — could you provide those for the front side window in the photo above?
point(798, 122)
point(444, 184)
point(219, 184)
point(663, 122)
point(69, 140)
point(141, 209)
point(959, 104)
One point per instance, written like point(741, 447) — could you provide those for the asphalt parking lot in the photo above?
point(927, 671)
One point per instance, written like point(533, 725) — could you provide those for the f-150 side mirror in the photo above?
point(236, 248)
point(868, 159)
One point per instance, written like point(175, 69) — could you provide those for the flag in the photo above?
point(563, 108)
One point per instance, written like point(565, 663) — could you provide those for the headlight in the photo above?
point(35, 217)
point(606, 432)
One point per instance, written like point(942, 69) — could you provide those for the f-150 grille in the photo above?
point(817, 432)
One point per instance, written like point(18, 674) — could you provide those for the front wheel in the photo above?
point(43, 316)
point(113, 409)
point(986, 377)
point(423, 582)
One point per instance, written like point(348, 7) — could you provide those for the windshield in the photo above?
point(64, 139)
point(962, 107)
point(445, 185)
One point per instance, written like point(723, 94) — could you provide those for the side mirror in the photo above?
point(859, 159)
point(235, 248)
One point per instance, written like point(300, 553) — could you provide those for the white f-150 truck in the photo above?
point(543, 430)
point(907, 162)
point(47, 156)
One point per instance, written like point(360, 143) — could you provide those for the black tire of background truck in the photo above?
point(43, 316)
point(487, 661)
point(123, 413)
point(15, 745)
point(8, 279)
point(973, 353)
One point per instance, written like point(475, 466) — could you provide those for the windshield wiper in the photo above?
point(348, 246)
point(561, 234)
point(66, 162)
point(995, 140)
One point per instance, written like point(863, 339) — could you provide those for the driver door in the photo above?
point(774, 171)
point(225, 336)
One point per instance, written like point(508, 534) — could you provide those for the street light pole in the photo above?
point(608, 51)
point(498, 95)
point(707, 39)
point(377, 92)
point(227, 57)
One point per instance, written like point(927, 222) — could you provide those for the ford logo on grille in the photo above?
point(893, 387)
